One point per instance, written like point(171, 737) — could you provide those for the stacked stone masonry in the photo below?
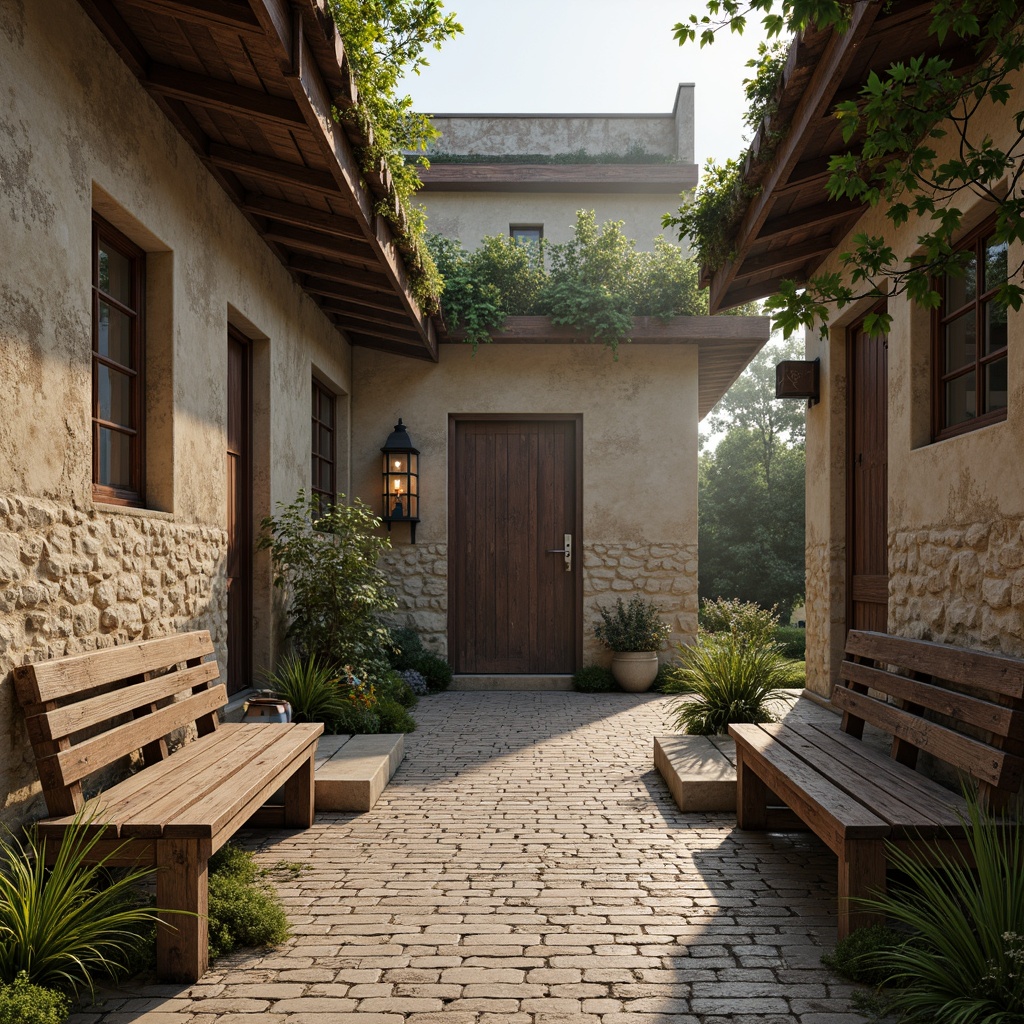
point(665, 572)
point(961, 586)
point(74, 581)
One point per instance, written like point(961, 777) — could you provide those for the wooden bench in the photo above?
point(963, 707)
point(87, 711)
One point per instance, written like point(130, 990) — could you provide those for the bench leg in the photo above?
point(181, 939)
point(861, 875)
point(751, 796)
point(299, 792)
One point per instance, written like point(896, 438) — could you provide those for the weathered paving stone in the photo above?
point(528, 866)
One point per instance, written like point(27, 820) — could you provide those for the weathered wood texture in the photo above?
point(87, 711)
point(964, 707)
point(252, 88)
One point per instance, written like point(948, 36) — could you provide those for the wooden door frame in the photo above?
point(540, 417)
point(234, 334)
point(851, 332)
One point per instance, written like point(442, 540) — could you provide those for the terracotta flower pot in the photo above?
point(634, 671)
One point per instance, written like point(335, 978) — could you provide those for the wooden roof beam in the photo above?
point(835, 61)
point(223, 13)
point(216, 94)
point(303, 217)
point(787, 256)
point(811, 216)
point(333, 271)
point(361, 316)
point(272, 170)
point(322, 245)
point(352, 294)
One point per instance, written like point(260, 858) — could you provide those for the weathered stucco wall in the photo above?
point(955, 508)
point(669, 134)
point(471, 216)
point(78, 133)
point(639, 462)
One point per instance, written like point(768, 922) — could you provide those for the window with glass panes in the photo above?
point(118, 278)
point(323, 482)
point(970, 340)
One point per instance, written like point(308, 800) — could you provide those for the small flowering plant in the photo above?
point(636, 626)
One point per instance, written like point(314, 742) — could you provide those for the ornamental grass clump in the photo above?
point(963, 962)
point(730, 681)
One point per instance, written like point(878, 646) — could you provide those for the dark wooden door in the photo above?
point(513, 499)
point(239, 497)
point(867, 460)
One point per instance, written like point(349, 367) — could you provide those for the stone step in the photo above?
point(352, 771)
point(700, 771)
point(465, 683)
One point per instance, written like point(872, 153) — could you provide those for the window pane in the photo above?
point(995, 263)
point(326, 409)
point(326, 483)
point(995, 327)
point(115, 459)
point(526, 235)
point(961, 290)
point(995, 385)
point(114, 338)
point(324, 451)
point(961, 342)
point(114, 393)
point(960, 399)
point(115, 274)
point(398, 463)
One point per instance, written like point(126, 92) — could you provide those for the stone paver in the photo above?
point(527, 865)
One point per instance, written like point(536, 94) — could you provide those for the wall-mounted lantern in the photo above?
point(798, 378)
point(401, 463)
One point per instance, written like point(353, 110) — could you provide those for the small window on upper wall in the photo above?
point(970, 340)
point(526, 234)
point(323, 478)
point(118, 390)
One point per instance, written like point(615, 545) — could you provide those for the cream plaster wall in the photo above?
point(639, 462)
point(77, 132)
point(470, 216)
point(551, 134)
point(956, 507)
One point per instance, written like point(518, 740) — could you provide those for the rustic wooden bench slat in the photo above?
point(65, 721)
point(970, 755)
point(832, 779)
point(182, 806)
point(984, 714)
point(843, 772)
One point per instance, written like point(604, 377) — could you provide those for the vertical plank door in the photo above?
point(239, 517)
point(868, 476)
point(513, 500)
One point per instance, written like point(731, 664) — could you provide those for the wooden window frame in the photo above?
point(134, 495)
point(539, 228)
point(940, 319)
point(317, 458)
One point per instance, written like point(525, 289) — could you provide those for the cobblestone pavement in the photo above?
point(527, 866)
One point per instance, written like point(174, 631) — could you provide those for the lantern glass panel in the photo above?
point(398, 462)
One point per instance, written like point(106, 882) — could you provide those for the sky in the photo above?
point(588, 57)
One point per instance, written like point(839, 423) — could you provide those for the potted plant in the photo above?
point(634, 632)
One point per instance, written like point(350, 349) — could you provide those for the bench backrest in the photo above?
point(974, 702)
point(86, 711)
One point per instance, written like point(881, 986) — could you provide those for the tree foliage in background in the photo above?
point(895, 130)
point(596, 282)
point(751, 493)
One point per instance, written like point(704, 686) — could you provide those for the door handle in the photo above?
point(566, 550)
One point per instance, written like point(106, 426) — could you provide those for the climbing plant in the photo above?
point(918, 147)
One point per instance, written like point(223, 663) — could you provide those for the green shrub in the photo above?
point(860, 955)
point(393, 717)
point(636, 626)
point(731, 679)
point(594, 679)
point(326, 560)
point(312, 687)
point(964, 957)
point(406, 647)
point(393, 687)
point(21, 1002)
point(435, 670)
point(792, 641)
point(746, 618)
point(69, 924)
point(243, 912)
point(670, 679)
